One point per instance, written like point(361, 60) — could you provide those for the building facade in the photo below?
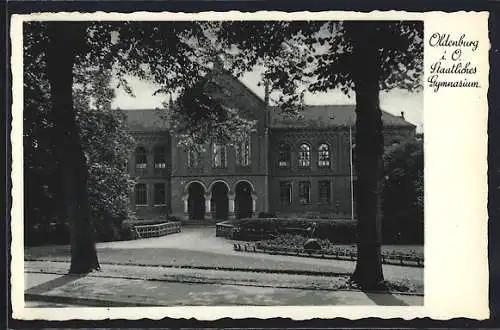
point(288, 166)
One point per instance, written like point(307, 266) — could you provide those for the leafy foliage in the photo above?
point(104, 137)
point(403, 192)
point(201, 116)
point(318, 56)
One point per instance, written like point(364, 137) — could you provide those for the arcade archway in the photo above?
point(220, 201)
point(243, 200)
point(196, 201)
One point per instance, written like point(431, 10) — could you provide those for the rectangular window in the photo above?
point(141, 194)
point(285, 193)
point(159, 194)
point(324, 192)
point(243, 152)
point(219, 156)
point(304, 192)
point(193, 158)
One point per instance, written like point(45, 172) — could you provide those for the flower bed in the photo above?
point(339, 231)
point(294, 245)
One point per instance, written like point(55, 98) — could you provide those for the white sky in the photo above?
point(393, 101)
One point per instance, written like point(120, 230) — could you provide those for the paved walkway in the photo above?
point(199, 248)
point(196, 268)
point(48, 285)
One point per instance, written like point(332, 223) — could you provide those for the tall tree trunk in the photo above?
point(369, 148)
point(65, 40)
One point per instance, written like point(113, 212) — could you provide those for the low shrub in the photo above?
point(173, 218)
point(59, 232)
point(340, 231)
point(107, 230)
point(47, 233)
point(266, 215)
point(127, 232)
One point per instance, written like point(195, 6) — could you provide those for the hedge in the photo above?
point(339, 231)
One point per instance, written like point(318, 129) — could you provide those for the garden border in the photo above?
point(397, 259)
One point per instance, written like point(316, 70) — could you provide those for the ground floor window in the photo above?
point(285, 193)
point(304, 192)
point(159, 194)
point(141, 194)
point(324, 191)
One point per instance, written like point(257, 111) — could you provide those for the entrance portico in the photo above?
point(218, 201)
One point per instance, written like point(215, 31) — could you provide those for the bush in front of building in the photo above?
point(106, 143)
point(266, 215)
point(46, 233)
point(402, 195)
point(337, 231)
point(127, 232)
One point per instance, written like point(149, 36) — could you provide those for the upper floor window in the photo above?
point(141, 157)
point(159, 194)
point(304, 192)
point(304, 155)
point(284, 155)
point(141, 194)
point(324, 155)
point(193, 158)
point(243, 152)
point(219, 155)
point(159, 157)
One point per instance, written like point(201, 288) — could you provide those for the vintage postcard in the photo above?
point(231, 164)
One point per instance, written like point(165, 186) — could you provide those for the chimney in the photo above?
point(403, 114)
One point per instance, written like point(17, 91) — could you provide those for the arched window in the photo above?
point(219, 155)
point(141, 157)
point(304, 155)
point(141, 194)
point(193, 158)
point(243, 152)
point(159, 157)
point(324, 155)
point(284, 155)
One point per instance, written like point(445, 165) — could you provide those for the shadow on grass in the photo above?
point(385, 299)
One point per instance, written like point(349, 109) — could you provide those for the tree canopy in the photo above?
point(105, 140)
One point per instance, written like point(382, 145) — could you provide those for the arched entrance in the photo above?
point(196, 201)
point(243, 200)
point(220, 201)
